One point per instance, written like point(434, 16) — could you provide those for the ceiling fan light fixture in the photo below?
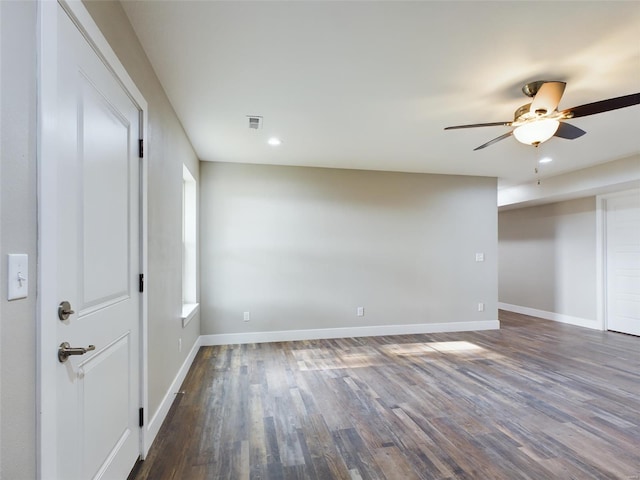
point(535, 133)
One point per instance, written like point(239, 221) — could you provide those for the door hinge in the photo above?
point(141, 417)
point(141, 283)
point(141, 148)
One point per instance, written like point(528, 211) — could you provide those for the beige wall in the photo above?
point(167, 149)
point(547, 258)
point(301, 248)
point(18, 235)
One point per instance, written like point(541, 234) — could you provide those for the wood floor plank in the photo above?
point(534, 400)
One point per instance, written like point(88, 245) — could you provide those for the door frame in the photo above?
point(601, 253)
point(46, 348)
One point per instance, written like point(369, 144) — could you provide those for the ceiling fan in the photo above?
point(538, 121)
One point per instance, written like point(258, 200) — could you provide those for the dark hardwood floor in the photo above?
point(535, 400)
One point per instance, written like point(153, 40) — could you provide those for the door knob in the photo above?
point(65, 350)
point(64, 310)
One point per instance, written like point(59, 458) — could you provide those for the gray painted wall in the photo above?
point(18, 230)
point(301, 248)
point(547, 257)
point(167, 149)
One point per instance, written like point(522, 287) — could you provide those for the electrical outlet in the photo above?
point(247, 316)
point(481, 307)
point(360, 311)
point(479, 257)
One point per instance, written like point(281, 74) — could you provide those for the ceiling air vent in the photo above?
point(255, 122)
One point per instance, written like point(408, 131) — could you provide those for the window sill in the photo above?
point(189, 311)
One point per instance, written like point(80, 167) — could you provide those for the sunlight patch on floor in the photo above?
point(407, 349)
point(454, 347)
point(323, 359)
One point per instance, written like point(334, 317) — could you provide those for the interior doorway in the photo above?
point(620, 231)
point(92, 210)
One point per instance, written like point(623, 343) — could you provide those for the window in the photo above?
point(189, 247)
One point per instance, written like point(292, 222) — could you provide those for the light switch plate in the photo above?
point(18, 276)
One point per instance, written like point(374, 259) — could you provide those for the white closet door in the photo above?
point(623, 262)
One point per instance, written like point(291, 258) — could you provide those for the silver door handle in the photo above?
point(64, 310)
point(67, 350)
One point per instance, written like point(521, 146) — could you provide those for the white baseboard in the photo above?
point(556, 317)
point(325, 333)
point(153, 426)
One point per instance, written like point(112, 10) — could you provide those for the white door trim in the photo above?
point(48, 219)
point(601, 253)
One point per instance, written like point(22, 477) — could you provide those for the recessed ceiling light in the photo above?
point(545, 160)
point(274, 142)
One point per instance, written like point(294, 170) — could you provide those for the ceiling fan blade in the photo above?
point(602, 106)
point(474, 125)
point(568, 131)
point(547, 98)
point(495, 140)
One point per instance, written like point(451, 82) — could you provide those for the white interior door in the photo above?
point(98, 249)
point(622, 224)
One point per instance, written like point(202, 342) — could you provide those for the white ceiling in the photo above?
point(371, 85)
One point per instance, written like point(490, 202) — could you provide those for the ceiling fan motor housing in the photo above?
point(531, 88)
